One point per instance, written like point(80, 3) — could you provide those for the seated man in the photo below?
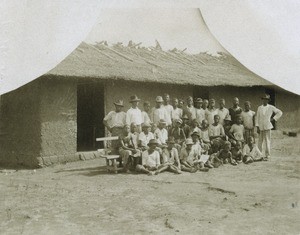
point(251, 152)
point(145, 136)
point(216, 132)
point(128, 148)
point(178, 134)
point(150, 159)
point(188, 157)
point(170, 158)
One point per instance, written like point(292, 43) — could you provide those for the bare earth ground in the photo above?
point(81, 198)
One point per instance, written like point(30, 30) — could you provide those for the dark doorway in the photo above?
point(271, 92)
point(90, 113)
point(200, 92)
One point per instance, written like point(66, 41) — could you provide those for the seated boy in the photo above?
point(194, 127)
point(185, 126)
point(237, 130)
point(225, 155)
point(216, 131)
point(188, 157)
point(170, 159)
point(128, 148)
point(248, 117)
point(251, 152)
point(145, 136)
point(150, 159)
point(204, 135)
point(237, 153)
point(198, 149)
point(161, 133)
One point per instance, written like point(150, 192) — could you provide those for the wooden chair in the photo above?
point(111, 160)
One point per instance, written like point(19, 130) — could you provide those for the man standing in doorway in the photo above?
point(264, 124)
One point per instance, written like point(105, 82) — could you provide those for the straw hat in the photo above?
point(159, 99)
point(152, 142)
point(119, 103)
point(266, 97)
point(134, 98)
point(189, 141)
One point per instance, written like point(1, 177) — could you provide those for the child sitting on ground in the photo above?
point(237, 130)
point(198, 149)
point(161, 133)
point(225, 155)
point(237, 153)
point(216, 131)
point(170, 159)
point(204, 136)
point(194, 127)
point(145, 136)
point(213, 160)
point(178, 133)
point(251, 152)
point(150, 159)
point(188, 156)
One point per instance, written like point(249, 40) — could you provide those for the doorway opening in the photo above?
point(90, 113)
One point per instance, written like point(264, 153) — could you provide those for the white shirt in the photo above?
point(209, 115)
point(191, 112)
point(161, 135)
point(169, 109)
point(176, 113)
point(237, 131)
point(115, 119)
point(200, 115)
point(223, 113)
point(216, 130)
point(248, 119)
point(255, 153)
point(264, 114)
point(150, 160)
point(134, 115)
point(145, 138)
point(158, 114)
point(146, 118)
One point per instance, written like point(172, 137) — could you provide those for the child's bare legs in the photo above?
point(145, 170)
point(188, 169)
point(174, 169)
point(162, 168)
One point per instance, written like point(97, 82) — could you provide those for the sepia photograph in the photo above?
point(131, 117)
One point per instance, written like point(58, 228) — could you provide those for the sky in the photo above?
point(263, 35)
point(180, 28)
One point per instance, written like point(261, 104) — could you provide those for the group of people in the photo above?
point(196, 136)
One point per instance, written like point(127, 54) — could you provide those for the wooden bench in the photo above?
point(111, 160)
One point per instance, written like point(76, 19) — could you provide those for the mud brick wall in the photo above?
point(290, 105)
point(252, 94)
point(145, 91)
point(58, 120)
point(20, 133)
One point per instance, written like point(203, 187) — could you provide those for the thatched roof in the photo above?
point(134, 63)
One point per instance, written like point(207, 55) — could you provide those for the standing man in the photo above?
point(145, 113)
point(211, 111)
point(115, 122)
point(264, 125)
point(169, 108)
point(222, 111)
point(158, 112)
point(200, 112)
point(134, 114)
point(235, 110)
point(176, 112)
point(190, 109)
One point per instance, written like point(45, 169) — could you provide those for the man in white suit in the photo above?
point(264, 124)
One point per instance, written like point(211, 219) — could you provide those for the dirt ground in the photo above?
point(81, 198)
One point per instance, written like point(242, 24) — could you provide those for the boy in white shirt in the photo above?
point(176, 112)
point(251, 153)
point(161, 133)
point(248, 120)
point(237, 130)
point(145, 113)
point(145, 136)
point(200, 113)
point(169, 108)
point(211, 111)
point(150, 159)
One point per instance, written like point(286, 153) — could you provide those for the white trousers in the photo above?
point(264, 142)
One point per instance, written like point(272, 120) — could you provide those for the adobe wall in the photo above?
point(145, 91)
point(290, 105)
point(252, 94)
point(20, 135)
point(58, 120)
